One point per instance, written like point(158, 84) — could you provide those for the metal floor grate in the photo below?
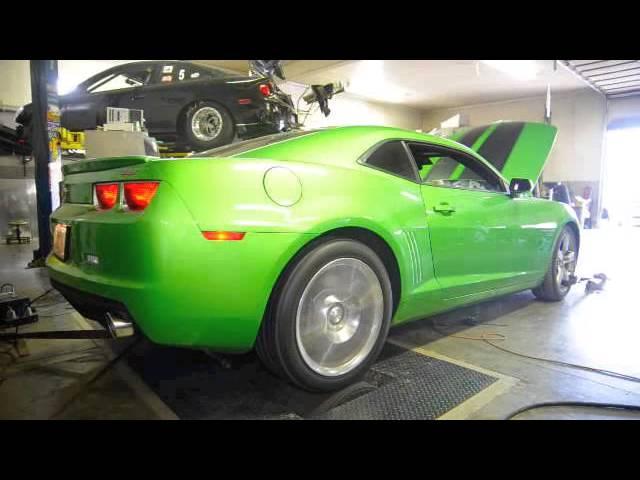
point(401, 385)
point(421, 388)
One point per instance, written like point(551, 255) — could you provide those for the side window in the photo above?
point(117, 81)
point(442, 168)
point(392, 157)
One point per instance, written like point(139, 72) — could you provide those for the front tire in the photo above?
point(208, 125)
point(557, 281)
point(329, 318)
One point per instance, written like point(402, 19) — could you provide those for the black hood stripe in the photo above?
point(497, 148)
point(470, 137)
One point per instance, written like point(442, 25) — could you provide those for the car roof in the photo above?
point(342, 145)
point(153, 63)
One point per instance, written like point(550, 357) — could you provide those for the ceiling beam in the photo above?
point(630, 80)
point(626, 62)
point(588, 63)
point(617, 71)
point(625, 94)
point(630, 88)
point(573, 71)
point(631, 75)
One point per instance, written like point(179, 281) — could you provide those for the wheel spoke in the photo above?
point(206, 123)
point(339, 316)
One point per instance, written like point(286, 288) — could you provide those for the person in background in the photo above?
point(560, 193)
point(584, 206)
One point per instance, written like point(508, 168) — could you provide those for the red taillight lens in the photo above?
point(107, 195)
point(223, 235)
point(265, 89)
point(138, 195)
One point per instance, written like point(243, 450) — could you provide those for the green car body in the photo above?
point(182, 289)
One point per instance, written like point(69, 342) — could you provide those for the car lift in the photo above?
point(172, 150)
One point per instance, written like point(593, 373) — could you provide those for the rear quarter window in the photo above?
point(392, 158)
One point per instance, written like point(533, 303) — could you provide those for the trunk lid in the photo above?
point(100, 164)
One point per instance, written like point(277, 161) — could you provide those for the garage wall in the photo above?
point(15, 83)
point(579, 116)
point(350, 110)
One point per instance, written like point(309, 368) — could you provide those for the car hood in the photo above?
point(516, 149)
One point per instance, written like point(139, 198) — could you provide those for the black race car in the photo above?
point(195, 106)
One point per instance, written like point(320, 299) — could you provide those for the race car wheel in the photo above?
point(329, 318)
point(557, 281)
point(208, 125)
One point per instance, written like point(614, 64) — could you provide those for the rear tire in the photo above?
point(208, 125)
point(329, 317)
point(556, 283)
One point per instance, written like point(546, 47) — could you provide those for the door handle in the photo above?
point(137, 97)
point(444, 207)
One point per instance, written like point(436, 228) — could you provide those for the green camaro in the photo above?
point(309, 245)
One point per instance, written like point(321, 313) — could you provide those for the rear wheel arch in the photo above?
point(380, 246)
point(275, 340)
point(366, 236)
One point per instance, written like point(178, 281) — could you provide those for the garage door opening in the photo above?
point(621, 193)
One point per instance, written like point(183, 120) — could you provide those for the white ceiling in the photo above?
point(424, 84)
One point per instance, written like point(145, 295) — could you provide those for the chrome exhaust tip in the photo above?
point(119, 328)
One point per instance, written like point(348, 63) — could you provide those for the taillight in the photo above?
point(223, 235)
point(265, 89)
point(138, 195)
point(107, 195)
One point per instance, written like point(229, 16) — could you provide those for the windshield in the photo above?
point(251, 144)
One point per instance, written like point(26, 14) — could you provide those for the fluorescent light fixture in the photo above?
point(520, 69)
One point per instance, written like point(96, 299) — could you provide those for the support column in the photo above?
point(45, 142)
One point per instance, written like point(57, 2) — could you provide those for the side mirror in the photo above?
point(518, 186)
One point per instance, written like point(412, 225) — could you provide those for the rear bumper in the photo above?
point(272, 117)
point(176, 286)
point(215, 297)
point(90, 305)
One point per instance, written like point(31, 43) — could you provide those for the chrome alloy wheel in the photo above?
point(565, 261)
point(206, 124)
point(339, 316)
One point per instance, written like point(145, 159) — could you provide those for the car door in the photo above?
point(471, 221)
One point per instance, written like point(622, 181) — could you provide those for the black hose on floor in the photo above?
point(610, 406)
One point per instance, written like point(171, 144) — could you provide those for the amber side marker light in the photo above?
point(223, 235)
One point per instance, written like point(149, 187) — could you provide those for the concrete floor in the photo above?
point(598, 330)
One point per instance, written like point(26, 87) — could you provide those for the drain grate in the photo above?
point(422, 388)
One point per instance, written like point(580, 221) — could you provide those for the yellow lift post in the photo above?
point(72, 141)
